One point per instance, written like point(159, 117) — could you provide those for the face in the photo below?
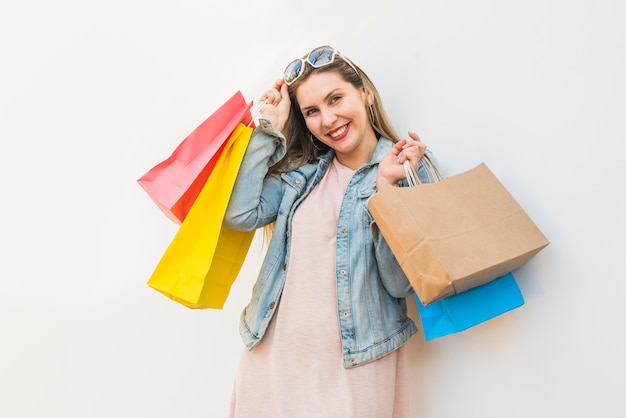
point(336, 113)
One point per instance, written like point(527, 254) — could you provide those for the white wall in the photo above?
point(92, 96)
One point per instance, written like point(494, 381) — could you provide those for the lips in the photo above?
point(338, 133)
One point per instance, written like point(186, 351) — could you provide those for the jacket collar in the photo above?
point(382, 148)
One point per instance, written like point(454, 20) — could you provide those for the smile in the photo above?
point(338, 133)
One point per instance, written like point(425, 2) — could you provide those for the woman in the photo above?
point(327, 319)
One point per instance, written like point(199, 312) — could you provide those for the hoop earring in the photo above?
point(313, 142)
point(372, 118)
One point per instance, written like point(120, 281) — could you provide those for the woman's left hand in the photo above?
point(391, 169)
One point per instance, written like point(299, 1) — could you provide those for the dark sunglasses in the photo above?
point(317, 58)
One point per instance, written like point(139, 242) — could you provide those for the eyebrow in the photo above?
point(330, 94)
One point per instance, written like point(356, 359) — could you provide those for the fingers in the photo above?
point(410, 149)
point(414, 136)
point(399, 147)
point(284, 89)
point(415, 144)
point(285, 102)
point(279, 83)
point(274, 95)
point(390, 169)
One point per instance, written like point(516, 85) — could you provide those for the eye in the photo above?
point(310, 112)
point(335, 99)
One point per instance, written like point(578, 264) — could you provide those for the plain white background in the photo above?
point(93, 94)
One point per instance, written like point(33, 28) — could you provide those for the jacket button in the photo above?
point(342, 272)
point(345, 313)
point(272, 305)
point(298, 181)
point(343, 232)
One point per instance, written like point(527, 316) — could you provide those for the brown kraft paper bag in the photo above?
point(457, 233)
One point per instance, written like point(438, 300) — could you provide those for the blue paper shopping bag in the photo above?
point(464, 310)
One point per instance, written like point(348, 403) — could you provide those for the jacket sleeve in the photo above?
point(256, 196)
point(392, 275)
point(393, 278)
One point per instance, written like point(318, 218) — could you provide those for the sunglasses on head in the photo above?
point(317, 58)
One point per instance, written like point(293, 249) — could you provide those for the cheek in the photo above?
point(311, 125)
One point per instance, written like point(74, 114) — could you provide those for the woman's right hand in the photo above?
point(276, 110)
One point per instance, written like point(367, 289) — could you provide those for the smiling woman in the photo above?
point(327, 321)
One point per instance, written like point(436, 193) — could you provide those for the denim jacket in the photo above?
point(371, 286)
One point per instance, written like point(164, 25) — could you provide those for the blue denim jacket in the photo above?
point(371, 286)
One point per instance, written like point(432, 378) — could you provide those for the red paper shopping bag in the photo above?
point(174, 184)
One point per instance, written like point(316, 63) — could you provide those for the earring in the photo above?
point(372, 118)
point(313, 142)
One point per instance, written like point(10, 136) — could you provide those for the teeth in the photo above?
point(338, 132)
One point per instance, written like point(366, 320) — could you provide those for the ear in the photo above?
point(368, 96)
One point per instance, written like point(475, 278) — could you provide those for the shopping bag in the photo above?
point(204, 258)
point(174, 184)
point(457, 233)
point(457, 313)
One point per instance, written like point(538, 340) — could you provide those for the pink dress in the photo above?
point(297, 371)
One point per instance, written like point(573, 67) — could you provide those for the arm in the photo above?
point(393, 278)
point(390, 171)
point(256, 197)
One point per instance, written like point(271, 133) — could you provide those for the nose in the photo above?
point(328, 117)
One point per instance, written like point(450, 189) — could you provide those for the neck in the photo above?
point(362, 155)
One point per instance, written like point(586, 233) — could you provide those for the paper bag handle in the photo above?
point(432, 170)
point(257, 112)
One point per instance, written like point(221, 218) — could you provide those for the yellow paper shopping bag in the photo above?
point(204, 258)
